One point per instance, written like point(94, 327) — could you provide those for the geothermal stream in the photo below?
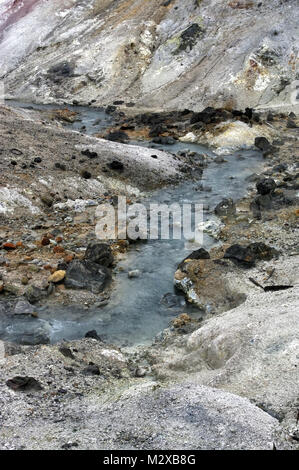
point(142, 307)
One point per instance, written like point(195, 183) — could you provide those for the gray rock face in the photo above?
point(185, 54)
point(265, 186)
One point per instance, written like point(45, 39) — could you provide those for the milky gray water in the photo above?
point(138, 309)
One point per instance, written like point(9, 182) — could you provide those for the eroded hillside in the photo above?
point(155, 53)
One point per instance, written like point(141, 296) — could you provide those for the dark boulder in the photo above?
point(291, 124)
point(88, 153)
point(246, 256)
point(110, 109)
point(24, 384)
point(164, 140)
point(262, 144)
point(60, 166)
point(266, 186)
point(92, 369)
point(201, 253)
point(62, 70)
point(93, 334)
point(85, 174)
point(66, 352)
point(237, 113)
point(261, 203)
point(150, 119)
point(262, 252)
point(226, 207)
point(116, 165)
point(189, 37)
point(249, 113)
point(87, 275)
point(206, 116)
point(157, 130)
point(99, 253)
point(219, 159)
point(240, 255)
point(117, 136)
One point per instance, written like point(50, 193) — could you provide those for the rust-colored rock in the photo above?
point(65, 115)
point(68, 258)
point(48, 267)
point(181, 320)
point(45, 241)
point(9, 246)
point(58, 249)
point(61, 287)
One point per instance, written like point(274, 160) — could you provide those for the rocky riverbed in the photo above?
point(233, 368)
point(126, 344)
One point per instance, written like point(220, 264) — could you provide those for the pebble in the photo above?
point(101, 304)
point(134, 274)
point(85, 174)
point(45, 241)
point(24, 281)
point(140, 372)
point(220, 159)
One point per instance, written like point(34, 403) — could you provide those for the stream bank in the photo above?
point(235, 372)
point(131, 311)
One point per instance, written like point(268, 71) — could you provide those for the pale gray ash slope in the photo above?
point(170, 54)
